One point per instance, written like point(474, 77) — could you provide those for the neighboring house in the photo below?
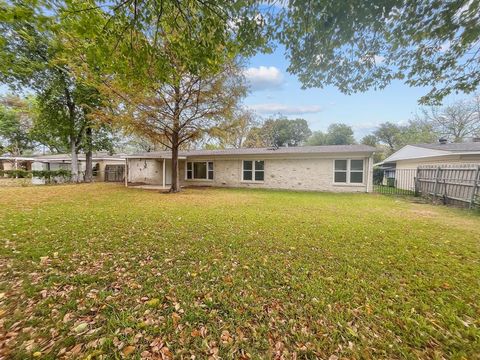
point(318, 168)
point(105, 167)
point(402, 165)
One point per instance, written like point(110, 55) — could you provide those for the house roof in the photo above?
point(327, 149)
point(422, 151)
point(464, 146)
point(64, 157)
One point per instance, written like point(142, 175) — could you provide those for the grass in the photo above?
point(100, 271)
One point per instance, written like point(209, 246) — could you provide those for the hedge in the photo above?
point(48, 175)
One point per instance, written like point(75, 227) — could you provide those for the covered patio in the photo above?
point(150, 171)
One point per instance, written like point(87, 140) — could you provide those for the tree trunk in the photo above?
point(74, 169)
point(175, 187)
point(88, 156)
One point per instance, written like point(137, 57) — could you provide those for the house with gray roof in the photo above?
point(106, 167)
point(412, 156)
point(400, 168)
point(315, 168)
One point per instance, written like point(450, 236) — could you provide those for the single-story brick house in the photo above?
point(317, 168)
point(106, 167)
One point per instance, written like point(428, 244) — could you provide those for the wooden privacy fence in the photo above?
point(456, 184)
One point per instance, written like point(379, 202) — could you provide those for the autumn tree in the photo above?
point(159, 56)
point(176, 111)
point(233, 132)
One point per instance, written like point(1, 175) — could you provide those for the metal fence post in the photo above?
point(476, 180)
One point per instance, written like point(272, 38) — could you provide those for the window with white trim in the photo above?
point(348, 171)
point(199, 170)
point(253, 170)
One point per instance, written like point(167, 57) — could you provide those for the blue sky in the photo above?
point(275, 91)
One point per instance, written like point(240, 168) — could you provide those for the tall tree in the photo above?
point(168, 52)
point(370, 140)
point(457, 121)
point(396, 136)
point(340, 134)
point(15, 126)
point(389, 134)
point(233, 132)
point(337, 134)
point(279, 132)
point(32, 57)
point(177, 111)
point(318, 138)
point(359, 45)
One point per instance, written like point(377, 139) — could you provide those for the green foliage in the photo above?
point(396, 136)
point(15, 126)
point(318, 138)
point(15, 173)
point(51, 175)
point(370, 140)
point(279, 132)
point(48, 175)
point(337, 134)
point(361, 45)
point(340, 134)
point(34, 57)
point(378, 175)
point(154, 40)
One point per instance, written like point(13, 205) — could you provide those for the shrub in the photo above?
point(52, 175)
point(48, 175)
point(18, 173)
point(377, 176)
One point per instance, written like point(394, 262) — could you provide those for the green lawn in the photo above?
point(92, 271)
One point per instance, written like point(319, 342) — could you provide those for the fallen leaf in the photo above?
point(127, 350)
point(175, 318)
point(153, 302)
point(80, 327)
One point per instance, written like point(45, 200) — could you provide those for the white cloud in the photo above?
point(275, 108)
point(264, 77)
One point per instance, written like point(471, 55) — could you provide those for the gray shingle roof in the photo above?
point(466, 146)
point(327, 149)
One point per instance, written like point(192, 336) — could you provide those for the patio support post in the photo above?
point(164, 174)
point(126, 172)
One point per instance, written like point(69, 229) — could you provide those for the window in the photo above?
point(199, 170)
point(253, 170)
point(356, 171)
point(348, 171)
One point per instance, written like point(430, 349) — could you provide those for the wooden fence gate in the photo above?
point(457, 184)
point(114, 173)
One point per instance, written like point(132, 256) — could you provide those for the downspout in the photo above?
point(369, 173)
point(164, 173)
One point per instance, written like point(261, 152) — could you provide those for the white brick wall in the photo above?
point(293, 173)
